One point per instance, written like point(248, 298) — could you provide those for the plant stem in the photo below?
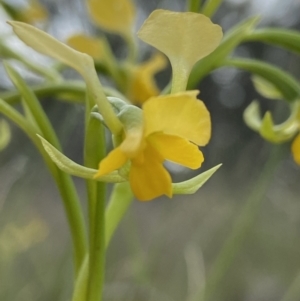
point(194, 5)
point(241, 227)
point(120, 200)
point(64, 184)
point(94, 152)
point(293, 291)
point(210, 7)
point(97, 248)
point(73, 88)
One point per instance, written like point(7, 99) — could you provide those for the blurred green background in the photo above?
point(165, 249)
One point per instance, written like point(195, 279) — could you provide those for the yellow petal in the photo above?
point(296, 149)
point(116, 16)
point(184, 37)
point(143, 85)
point(114, 160)
point(133, 143)
point(148, 178)
point(177, 150)
point(91, 46)
point(180, 114)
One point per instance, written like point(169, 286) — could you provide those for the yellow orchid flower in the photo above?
point(116, 16)
point(172, 127)
point(142, 84)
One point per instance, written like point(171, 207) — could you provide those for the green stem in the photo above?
point(210, 7)
point(74, 88)
point(74, 216)
point(97, 248)
point(94, 152)
point(63, 182)
point(194, 5)
point(241, 227)
point(120, 200)
point(80, 288)
point(132, 48)
point(293, 291)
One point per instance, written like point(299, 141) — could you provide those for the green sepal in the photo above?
point(265, 88)
point(286, 38)
point(192, 185)
point(82, 63)
point(265, 126)
point(74, 169)
point(252, 116)
point(229, 43)
point(5, 134)
point(284, 82)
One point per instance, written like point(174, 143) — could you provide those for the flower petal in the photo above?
point(116, 16)
point(180, 114)
point(114, 160)
point(148, 177)
point(184, 37)
point(177, 150)
point(143, 85)
point(296, 149)
point(133, 143)
point(89, 45)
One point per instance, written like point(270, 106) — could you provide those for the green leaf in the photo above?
point(265, 88)
point(288, 39)
point(285, 83)
point(192, 185)
point(5, 134)
point(232, 39)
point(74, 169)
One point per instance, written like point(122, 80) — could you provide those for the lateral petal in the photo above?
point(180, 114)
point(113, 161)
point(148, 177)
point(177, 150)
